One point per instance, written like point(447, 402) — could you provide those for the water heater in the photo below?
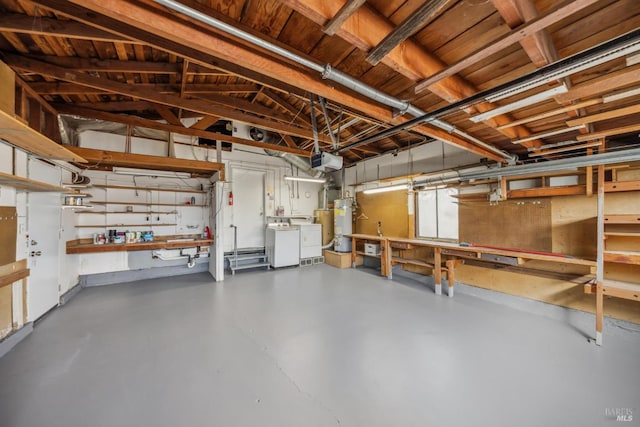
point(342, 224)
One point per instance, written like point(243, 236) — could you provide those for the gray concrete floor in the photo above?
point(315, 346)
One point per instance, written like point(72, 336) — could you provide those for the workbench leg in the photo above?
point(353, 253)
point(386, 247)
point(451, 275)
point(599, 312)
point(437, 270)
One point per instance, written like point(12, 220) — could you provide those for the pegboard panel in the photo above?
point(390, 208)
point(8, 236)
point(521, 224)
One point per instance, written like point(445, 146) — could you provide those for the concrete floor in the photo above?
point(315, 346)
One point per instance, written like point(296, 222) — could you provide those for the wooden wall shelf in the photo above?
point(27, 184)
point(147, 204)
point(22, 136)
point(81, 247)
point(131, 187)
point(148, 225)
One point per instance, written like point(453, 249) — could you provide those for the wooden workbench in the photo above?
point(454, 254)
point(384, 251)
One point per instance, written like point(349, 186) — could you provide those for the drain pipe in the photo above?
point(329, 73)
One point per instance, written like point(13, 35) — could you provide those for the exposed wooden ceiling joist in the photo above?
point(42, 26)
point(529, 29)
point(412, 60)
point(201, 61)
point(27, 64)
point(343, 14)
point(420, 18)
point(178, 32)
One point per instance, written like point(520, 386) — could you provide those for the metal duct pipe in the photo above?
point(612, 157)
point(296, 161)
point(329, 73)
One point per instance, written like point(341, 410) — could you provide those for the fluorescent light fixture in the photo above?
point(546, 134)
point(150, 172)
point(628, 47)
point(533, 99)
point(304, 179)
point(616, 96)
point(385, 189)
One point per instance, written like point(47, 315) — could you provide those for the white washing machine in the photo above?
point(282, 245)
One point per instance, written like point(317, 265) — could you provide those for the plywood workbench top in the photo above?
point(81, 247)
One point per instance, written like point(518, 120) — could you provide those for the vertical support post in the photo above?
point(437, 270)
point(600, 257)
point(504, 188)
point(589, 175)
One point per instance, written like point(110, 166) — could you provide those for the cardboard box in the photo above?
point(340, 259)
point(372, 248)
point(7, 89)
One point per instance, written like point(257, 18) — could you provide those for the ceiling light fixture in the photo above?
point(605, 52)
point(385, 189)
point(150, 172)
point(546, 134)
point(304, 179)
point(525, 102)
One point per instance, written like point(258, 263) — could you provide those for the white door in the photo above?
point(43, 219)
point(248, 206)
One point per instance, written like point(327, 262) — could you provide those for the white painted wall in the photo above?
point(426, 158)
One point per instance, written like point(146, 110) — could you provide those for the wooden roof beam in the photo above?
point(110, 65)
point(349, 8)
point(368, 28)
point(606, 115)
point(43, 26)
point(529, 29)
point(26, 64)
point(170, 34)
point(116, 105)
point(201, 61)
point(152, 124)
point(166, 113)
point(205, 122)
point(413, 23)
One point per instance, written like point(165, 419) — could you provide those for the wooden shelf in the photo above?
point(147, 204)
point(366, 254)
point(126, 213)
point(622, 219)
point(616, 186)
point(80, 247)
point(623, 257)
point(131, 187)
point(417, 262)
point(626, 290)
point(27, 184)
point(621, 234)
point(125, 225)
point(22, 136)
